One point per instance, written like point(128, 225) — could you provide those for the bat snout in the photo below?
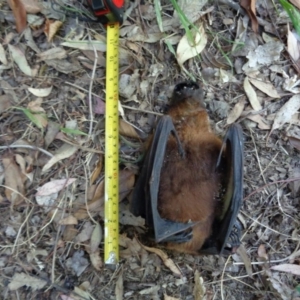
point(187, 90)
point(186, 87)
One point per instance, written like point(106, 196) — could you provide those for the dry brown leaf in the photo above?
point(52, 130)
point(119, 289)
point(19, 58)
point(188, 49)
point(51, 28)
point(96, 260)
point(99, 191)
point(45, 92)
point(128, 218)
point(96, 172)
point(166, 297)
point(134, 248)
point(83, 294)
point(22, 279)
point(127, 129)
point(236, 111)
point(249, 6)
point(124, 240)
point(295, 119)
point(22, 164)
point(14, 180)
point(86, 233)
point(286, 112)
point(288, 268)
point(5, 102)
point(126, 183)
point(262, 253)
point(3, 58)
point(53, 53)
point(69, 233)
point(32, 6)
point(151, 291)
point(81, 213)
point(241, 251)
point(262, 124)
point(295, 142)
point(294, 172)
point(69, 220)
point(96, 238)
point(296, 3)
point(164, 257)
point(292, 45)
point(19, 12)
point(63, 152)
point(199, 288)
point(251, 94)
point(265, 86)
point(86, 45)
point(54, 186)
point(35, 106)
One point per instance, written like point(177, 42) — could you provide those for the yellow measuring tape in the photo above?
point(111, 223)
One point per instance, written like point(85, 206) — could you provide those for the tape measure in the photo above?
point(111, 222)
point(110, 13)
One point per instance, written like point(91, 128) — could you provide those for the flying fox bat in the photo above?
point(190, 188)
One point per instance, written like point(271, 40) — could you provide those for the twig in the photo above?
point(91, 88)
point(270, 183)
point(257, 157)
point(28, 147)
point(82, 147)
point(86, 195)
point(143, 110)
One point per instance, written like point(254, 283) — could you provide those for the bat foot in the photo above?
point(183, 237)
point(234, 241)
point(169, 231)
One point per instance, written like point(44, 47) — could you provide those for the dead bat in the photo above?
point(190, 188)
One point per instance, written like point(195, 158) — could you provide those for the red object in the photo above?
point(108, 10)
point(118, 3)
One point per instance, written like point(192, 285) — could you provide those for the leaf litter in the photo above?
point(247, 78)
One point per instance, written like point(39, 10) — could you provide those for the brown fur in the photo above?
point(189, 186)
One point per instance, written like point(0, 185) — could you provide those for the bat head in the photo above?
point(187, 92)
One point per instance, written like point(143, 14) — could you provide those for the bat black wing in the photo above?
point(145, 194)
point(230, 226)
point(226, 228)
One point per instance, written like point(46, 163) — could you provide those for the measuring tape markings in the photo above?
point(111, 247)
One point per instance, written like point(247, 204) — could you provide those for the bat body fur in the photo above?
point(190, 185)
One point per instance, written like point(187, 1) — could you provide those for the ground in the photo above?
point(52, 104)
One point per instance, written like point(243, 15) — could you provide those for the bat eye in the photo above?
point(185, 86)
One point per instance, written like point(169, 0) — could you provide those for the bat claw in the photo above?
point(182, 237)
point(234, 237)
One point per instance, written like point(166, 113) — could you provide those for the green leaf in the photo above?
point(72, 131)
point(31, 117)
point(170, 47)
point(293, 13)
point(157, 6)
point(184, 21)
